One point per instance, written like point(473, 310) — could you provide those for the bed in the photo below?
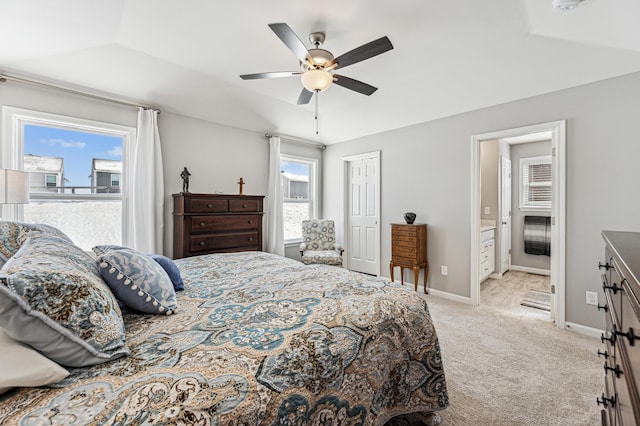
point(257, 339)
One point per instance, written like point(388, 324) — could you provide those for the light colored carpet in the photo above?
point(506, 369)
point(537, 299)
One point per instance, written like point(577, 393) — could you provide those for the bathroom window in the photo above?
point(535, 183)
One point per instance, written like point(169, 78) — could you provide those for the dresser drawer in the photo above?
point(204, 205)
point(403, 242)
point(226, 241)
point(204, 224)
point(237, 206)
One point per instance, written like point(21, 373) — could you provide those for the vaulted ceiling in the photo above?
point(449, 57)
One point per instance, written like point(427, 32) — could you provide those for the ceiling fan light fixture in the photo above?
point(320, 56)
point(317, 80)
point(565, 5)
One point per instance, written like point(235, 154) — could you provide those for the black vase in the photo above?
point(409, 217)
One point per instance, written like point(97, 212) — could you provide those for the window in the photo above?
point(535, 183)
point(298, 179)
point(71, 162)
point(50, 181)
point(115, 180)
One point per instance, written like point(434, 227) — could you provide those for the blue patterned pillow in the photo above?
point(171, 269)
point(13, 234)
point(53, 298)
point(138, 281)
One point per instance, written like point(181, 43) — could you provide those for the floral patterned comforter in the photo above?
point(258, 339)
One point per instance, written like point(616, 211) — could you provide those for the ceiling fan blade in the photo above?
point(305, 97)
point(289, 38)
point(355, 85)
point(270, 75)
point(366, 51)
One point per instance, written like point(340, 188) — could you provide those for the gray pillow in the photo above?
point(138, 281)
point(53, 298)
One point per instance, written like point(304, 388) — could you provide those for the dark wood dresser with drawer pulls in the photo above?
point(212, 223)
point(620, 400)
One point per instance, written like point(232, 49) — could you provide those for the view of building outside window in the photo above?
point(74, 181)
point(297, 196)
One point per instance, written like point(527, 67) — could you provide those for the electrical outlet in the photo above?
point(443, 270)
point(592, 298)
point(487, 210)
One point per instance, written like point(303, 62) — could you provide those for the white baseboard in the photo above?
point(450, 296)
point(583, 329)
point(443, 294)
point(530, 270)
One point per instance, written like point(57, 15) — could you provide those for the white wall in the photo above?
point(426, 168)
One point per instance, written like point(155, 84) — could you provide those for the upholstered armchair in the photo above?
point(319, 243)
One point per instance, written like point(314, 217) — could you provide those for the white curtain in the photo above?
point(145, 187)
point(275, 232)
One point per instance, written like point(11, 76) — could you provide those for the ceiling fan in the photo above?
point(317, 65)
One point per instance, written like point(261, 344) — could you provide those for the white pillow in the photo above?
point(20, 365)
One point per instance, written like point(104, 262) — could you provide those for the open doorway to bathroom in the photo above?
point(517, 253)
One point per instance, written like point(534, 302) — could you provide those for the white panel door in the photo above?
point(362, 250)
point(505, 215)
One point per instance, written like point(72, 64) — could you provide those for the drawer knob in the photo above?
point(614, 288)
point(202, 224)
point(244, 206)
point(209, 205)
point(201, 243)
point(629, 335)
point(606, 266)
point(604, 307)
point(250, 238)
point(615, 370)
point(605, 354)
point(607, 401)
point(250, 222)
point(611, 339)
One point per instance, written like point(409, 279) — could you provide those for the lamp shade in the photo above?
point(14, 187)
point(317, 80)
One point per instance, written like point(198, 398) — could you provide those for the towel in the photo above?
point(537, 235)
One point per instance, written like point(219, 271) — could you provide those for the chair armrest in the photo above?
point(303, 247)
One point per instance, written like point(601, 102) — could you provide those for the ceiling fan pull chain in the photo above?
point(317, 95)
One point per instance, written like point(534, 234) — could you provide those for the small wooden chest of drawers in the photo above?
point(211, 223)
point(621, 341)
point(409, 250)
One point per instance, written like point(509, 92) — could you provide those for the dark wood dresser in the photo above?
point(621, 351)
point(212, 223)
point(409, 250)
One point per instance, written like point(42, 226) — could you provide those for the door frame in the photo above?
point(501, 192)
point(345, 194)
point(558, 209)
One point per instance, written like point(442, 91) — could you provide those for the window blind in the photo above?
point(536, 186)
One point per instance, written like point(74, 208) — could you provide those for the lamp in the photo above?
point(317, 80)
point(566, 5)
point(14, 187)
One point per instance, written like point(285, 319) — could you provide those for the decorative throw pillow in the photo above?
point(22, 366)
point(171, 269)
point(136, 279)
point(11, 238)
point(53, 298)
point(13, 234)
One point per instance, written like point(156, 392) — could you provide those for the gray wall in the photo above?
point(427, 168)
point(518, 256)
point(489, 182)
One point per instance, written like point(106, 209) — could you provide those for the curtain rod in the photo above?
point(4, 77)
point(299, 141)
